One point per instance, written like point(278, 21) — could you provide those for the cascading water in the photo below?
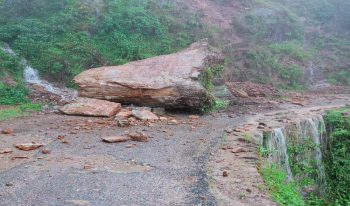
point(312, 130)
point(31, 75)
point(277, 144)
point(315, 129)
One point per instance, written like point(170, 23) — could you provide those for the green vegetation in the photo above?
point(19, 110)
point(206, 79)
point(266, 61)
point(301, 165)
point(13, 95)
point(285, 35)
point(63, 38)
point(10, 68)
point(282, 192)
point(337, 161)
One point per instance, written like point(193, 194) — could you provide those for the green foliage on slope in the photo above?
point(337, 161)
point(63, 38)
point(10, 66)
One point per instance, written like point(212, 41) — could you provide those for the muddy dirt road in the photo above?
point(180, 165)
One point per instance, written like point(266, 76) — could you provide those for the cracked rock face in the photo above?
point(170, 81)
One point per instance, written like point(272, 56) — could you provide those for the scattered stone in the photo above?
point(20, 157)
point(61, 137)
point(73, 132)
point(79, 202)
point(65, 141)
point(138, 136)
point(123, 114)
point(46, 151)
point(163, 119)
point(28, 146)
point(239, 130)
point(238, 150)
point(225, 174)
point(7, 131)
point(6, 150)
point(261, 127)
point(114, 139)
point(129, 146)
point(229, 131)
point(87, 167)
point(124, 123)
point(202, 197)
point(193, 117)
point(144, 115)
point(9, 184)
point(91, 107)
point(173, 122)
point(249, 190)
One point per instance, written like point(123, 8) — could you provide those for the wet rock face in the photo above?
point(91, 107)
point(170, 81)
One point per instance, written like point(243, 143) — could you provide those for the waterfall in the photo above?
point(313, 130)
point(311, 69)
point(277, 144)
point(31, 75)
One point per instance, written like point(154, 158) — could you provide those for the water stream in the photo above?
point(31, 75)
point(311, 130)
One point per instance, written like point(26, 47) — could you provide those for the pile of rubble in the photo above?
point(249, 89)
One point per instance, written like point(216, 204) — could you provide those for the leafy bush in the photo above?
point(11, 64)
point(13, 95)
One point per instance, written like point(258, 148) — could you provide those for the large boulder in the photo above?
point(170, 81)
point(91, 107)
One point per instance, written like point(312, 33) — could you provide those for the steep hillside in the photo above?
point(288, 44)
point(63, 38)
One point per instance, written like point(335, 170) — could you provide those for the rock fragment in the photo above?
point(144, 115)
point(91, 107)
point(28, 146)
point(238, 150)
point(6, 150)
point(7, 131)
point(138, 136)
point(114, 139)
point(193, 117)
point(46, 151)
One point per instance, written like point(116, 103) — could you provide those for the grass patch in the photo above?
point(19, 110)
